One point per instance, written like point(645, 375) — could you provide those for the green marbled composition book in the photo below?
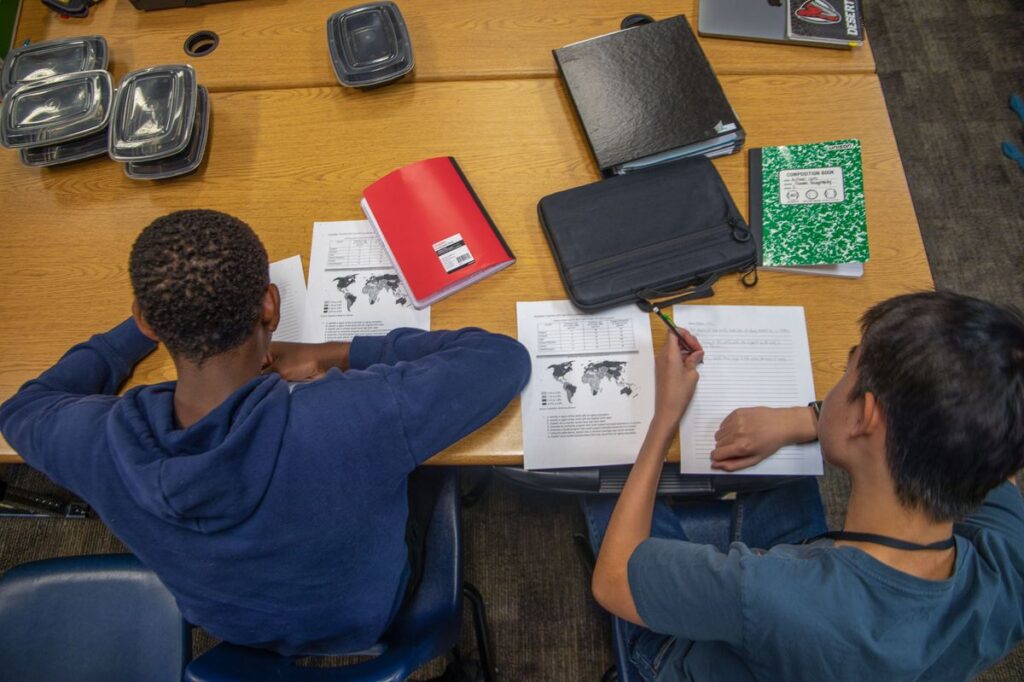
point(812, 204)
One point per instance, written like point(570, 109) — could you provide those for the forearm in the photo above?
point(97, 366)
point(803, 424)
point(631, 520)
point(449, 393)
point(32, 420)
point(334, 354)
point(750, 434)
point(630, 523)
point(406, 344)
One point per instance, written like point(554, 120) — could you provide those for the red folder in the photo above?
point(437, 232)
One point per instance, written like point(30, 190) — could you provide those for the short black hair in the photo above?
point(948, 373)
point(199, 277)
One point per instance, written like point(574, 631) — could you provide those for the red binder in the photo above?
point(437, 232)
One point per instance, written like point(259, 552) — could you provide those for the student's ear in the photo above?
point(870, 421)
point(271, 308)
point(140, 321)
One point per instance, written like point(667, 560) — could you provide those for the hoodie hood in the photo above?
point(212, 475)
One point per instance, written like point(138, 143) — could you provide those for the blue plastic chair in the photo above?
point(84, 618)
point(426, 628)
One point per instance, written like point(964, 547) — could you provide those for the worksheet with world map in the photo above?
point(591, 392)
point(353, 288)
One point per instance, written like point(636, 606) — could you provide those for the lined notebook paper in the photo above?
point(291, 284)
point(754, 355)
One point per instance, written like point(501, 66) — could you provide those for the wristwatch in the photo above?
point(816, 406)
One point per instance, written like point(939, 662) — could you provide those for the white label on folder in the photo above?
point(453, 253)
point(811, 186)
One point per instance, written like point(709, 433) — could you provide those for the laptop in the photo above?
point(763, 20)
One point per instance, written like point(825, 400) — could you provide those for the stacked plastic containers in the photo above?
point(56, 100)
point(159, 122)
point(59, 106)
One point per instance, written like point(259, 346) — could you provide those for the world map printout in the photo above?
point(353, 288)
point(591, 392)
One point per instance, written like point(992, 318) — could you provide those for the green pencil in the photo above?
point(664, 318)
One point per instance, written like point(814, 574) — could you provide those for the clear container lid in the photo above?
point(369, 44)
point(66, 152)
point(153, 113)
point(56, 109)
point(185, 161)
point(53, 58)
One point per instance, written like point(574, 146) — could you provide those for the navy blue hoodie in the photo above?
point(277, 520)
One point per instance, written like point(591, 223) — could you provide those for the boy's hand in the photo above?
point(750, 434)
point(305, 361)
point(676, 372)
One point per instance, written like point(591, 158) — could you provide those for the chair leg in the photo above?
point(483, 633)
point(460, 669)
point(25, 503)
point(585, 553)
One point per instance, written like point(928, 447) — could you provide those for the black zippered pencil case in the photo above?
point(664, 234)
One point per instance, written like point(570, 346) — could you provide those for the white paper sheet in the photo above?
point(591, 393)
point(353, 288)
point(754, 355)
point(287, 275)
point(847, 270)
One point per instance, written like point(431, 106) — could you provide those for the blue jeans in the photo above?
point(784, 515)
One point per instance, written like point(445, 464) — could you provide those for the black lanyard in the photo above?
point(884, 540)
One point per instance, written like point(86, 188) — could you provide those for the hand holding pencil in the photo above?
point(676, 379)
point(688, 343)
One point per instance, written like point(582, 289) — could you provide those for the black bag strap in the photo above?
point(749, 276)
point(703, 288)
point(741, 232)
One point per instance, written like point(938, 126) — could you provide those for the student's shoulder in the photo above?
point(358, 394)
point(340, 404)
point(994, 557)
point(753, 563)
point(794, 560)
point(773, 572)
point(336, 388)
point(995, 530)
point(817, 551)
point(1002, 513)
point(783, 584)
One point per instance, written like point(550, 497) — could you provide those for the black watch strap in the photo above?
point(816, 406)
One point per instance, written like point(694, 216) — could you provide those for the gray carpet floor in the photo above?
point(947, 68)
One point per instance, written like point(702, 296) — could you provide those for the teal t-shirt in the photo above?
point(819, 612)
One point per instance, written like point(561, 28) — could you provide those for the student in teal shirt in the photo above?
point(926, 582)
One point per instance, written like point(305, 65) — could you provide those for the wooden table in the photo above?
point(281, 159)
point(267, 44)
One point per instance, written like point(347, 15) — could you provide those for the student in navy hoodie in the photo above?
point(276, 515)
